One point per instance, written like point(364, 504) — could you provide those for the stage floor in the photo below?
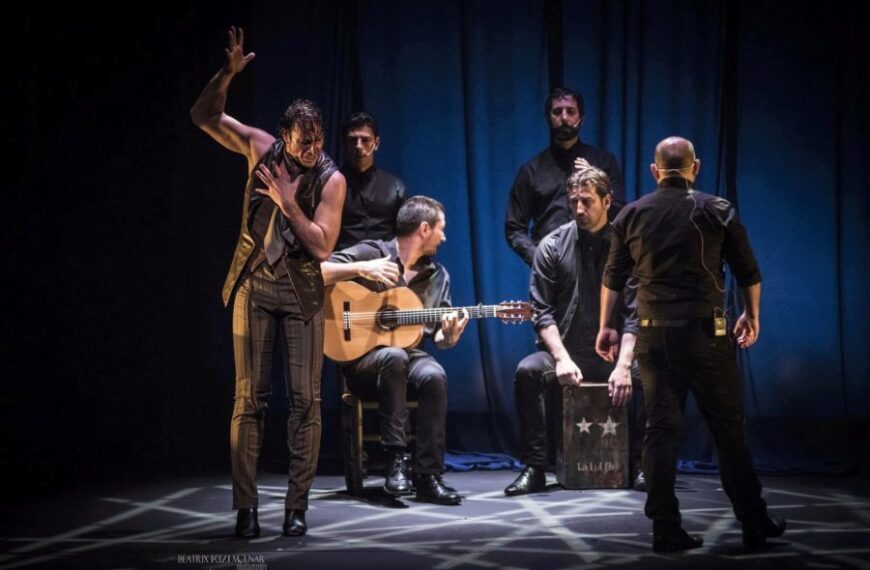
point(188, 525)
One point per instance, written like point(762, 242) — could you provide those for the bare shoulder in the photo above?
point(336, 178)
point(335, 186)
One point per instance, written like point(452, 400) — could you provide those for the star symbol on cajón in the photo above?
point(609, 426)
point(584, 426)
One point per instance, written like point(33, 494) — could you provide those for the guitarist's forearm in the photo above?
point(334, 272)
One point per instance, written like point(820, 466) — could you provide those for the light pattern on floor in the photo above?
point(187, 528)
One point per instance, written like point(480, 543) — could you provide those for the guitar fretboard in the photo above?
point(420, 316)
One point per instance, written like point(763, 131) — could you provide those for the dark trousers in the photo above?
point(390, 375)
point(264, 305)
point(674, 361)
point(535, 373)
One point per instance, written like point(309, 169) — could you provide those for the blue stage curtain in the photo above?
point(771, 93)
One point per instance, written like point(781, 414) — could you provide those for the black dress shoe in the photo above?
point(532, 479)
point(756, 533)
point(396, 481)
point(639, 482)
point(675, 539)
point(246, 523)
point(294, 523)
point(440, 477)
point(430, 490)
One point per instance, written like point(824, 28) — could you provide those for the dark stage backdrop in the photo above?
point(121, 217)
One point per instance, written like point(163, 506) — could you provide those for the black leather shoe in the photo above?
point(440, 477)
point(675, 539)
point(532, 479)
point(396, 481)
point(639, 483)
point(430, 490)
point(756, 533)
point(294, 523)
point(246, 523)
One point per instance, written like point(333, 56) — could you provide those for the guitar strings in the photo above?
point(356, 316)
point(421, 313)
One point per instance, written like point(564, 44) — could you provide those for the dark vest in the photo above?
point(304, 270)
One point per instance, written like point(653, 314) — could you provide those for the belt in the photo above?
point(260, 256)
point(652, 323)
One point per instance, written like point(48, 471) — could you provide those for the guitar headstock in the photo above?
point(514, 312)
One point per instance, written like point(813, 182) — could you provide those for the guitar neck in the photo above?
point(424, 316)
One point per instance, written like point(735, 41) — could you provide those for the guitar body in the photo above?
point(347, 339)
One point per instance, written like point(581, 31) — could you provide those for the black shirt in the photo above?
point(370, 206)
point(668, 237)
point(431, 284)
point(538, 194)
point(565, 287)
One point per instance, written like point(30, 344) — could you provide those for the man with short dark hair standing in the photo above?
point(538, 194)
point(374, 196)
point(290, 220)
point(387, 373)
point(676, 242)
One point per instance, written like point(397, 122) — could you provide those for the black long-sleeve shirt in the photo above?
point(677, 241)
point(538, 194)
point(370, 206)
point(565, 287)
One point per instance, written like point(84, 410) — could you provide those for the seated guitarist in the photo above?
point(389, 372)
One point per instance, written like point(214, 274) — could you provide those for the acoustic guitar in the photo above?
point(358, 319)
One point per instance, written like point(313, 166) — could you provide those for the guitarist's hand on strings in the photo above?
point(452, 325)
point(380, 271)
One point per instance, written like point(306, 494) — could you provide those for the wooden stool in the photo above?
point(593, 436)
point(355, 437)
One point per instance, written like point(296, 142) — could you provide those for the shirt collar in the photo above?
point(566, 153)
point(675, 183)
point(601, 235)
point(357, 176)
point(426, 263)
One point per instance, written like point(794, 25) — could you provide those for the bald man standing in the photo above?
point(676, 241)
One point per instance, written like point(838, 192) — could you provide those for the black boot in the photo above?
point(396, 481)
point(756, 533)
point(294, 523)
point(430, 490)
point(532, 479)
point(674, 539)
point(246, 523)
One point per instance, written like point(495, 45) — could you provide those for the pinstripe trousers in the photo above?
point(265, 305)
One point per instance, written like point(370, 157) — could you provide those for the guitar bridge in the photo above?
point(346, 321)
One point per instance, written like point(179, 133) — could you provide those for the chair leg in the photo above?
point(353, 448)
point(353, 473)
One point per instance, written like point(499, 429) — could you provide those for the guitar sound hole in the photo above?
point(388, 317)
